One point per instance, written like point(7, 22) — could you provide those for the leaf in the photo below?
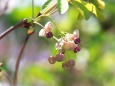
point(94, 2)
point(99, 14)
point(98, 3)
point(47, 5)
point(83, 9)
point(92, 8)
point(63, 6)
point(101, 4)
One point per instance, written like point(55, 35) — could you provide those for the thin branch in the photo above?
point(12, 28)
point(18, 61)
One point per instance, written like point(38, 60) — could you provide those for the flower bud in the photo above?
point(60, 57)
point(71, 63)
point(49, 34)
point(48, 26)
point(77, 41)
point(76, 49)
point(68, 65)
point(64, 65)
point(52, 60)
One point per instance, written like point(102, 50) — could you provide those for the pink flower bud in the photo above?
point(52, 60)
point(49, 34)
point(77, 41)
point(76, 49)
point(60, 57)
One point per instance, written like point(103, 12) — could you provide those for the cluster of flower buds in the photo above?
point(1, 64)
point(65, 43)
point(59, 58)
point(69, 42)
point(69, 64)
point(46, 31)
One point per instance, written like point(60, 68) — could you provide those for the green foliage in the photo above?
point(47, 5)
point(83, 10)
point(63, 6)
point(90, 7)
point(100, 66)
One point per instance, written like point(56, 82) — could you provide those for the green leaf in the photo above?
point(98, 3)
point(63, 6)
point(47, 5)
point(94, 2)
point(85, 11)
point(92, 8)
point(101, 4)
point(99, 14)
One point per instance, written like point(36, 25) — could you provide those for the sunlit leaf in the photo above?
point(92, 8)
point(101, 4)
point(83, 10)
point(98, 3)
point(99, 14)
point(63, 6)
point(47, 5)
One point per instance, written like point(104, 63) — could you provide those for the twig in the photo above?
point(12, 28)
point(18, 61)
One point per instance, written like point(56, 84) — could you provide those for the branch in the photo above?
point(13, 28)
point(18, 61)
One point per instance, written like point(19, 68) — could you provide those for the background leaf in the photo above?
point(92, 8)
point(85, 11)
point(47, 5)
point(63, 6)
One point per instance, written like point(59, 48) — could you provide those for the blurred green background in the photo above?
point(95, 63)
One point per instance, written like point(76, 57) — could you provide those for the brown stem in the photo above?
point(18, 61)
point(12, 28)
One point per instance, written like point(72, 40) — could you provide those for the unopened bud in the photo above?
point(77, 41)
point(49, 26)
point(64, 65)
point(76, 49)
point(49, 34)
point(68, 65)
point(60, 57)
point(71, 63)
point(52, 60)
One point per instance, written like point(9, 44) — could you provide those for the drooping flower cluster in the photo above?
point(68, 42)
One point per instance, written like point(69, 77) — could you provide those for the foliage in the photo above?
point(95, 61)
